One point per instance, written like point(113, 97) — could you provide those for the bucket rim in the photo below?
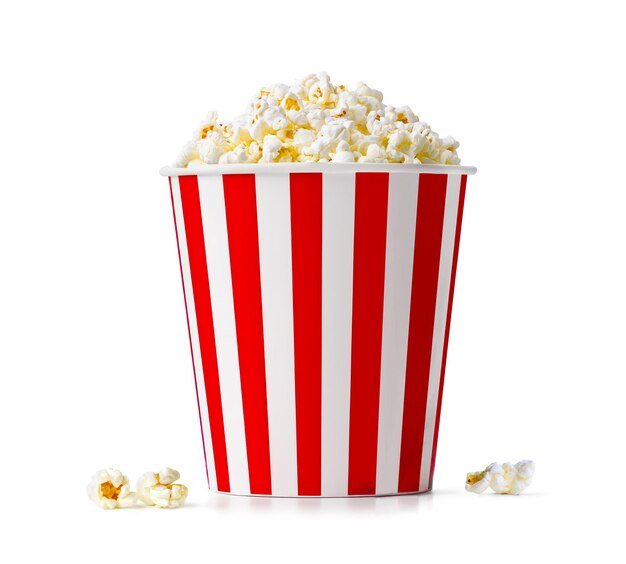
point(333, 168)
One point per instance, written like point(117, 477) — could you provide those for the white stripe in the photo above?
point(401, 217)
point(337, 263)
point(274, 224)
point(193, 328)
point(218, 264)
point(441, 312)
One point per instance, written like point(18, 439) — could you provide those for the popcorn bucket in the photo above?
point(318, 301)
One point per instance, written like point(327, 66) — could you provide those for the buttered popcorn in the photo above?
point(315, 121)
point(159, 489)
point(505, 479)
point(110, 490)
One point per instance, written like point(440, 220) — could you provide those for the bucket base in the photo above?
point(235, 494)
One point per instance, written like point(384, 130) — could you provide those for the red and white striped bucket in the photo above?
point(318, 301)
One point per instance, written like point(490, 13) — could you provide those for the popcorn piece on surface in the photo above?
point(110, 490)
point(159, 489)
point(505, 479)
point(315, 121)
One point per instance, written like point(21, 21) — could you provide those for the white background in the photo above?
point(94, 359)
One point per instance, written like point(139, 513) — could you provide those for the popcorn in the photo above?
point(374, 154)
point(279, 91)
point(505, 479)
point(363, 89)
point(258, 129)
point(297, 117)
point(315, 121)
point(189, 153)
point(159, 489)
point(343, 154)
point(343, 157)
point(110, 490)
point(271, 148)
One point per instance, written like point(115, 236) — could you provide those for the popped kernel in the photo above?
point(159, 489)
point(502, 479)
point(110, 490)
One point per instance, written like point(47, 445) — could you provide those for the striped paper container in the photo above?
point(318, 301)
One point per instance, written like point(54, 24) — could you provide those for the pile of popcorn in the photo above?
point(110, 489)
point(505, 479)
point(315, 121)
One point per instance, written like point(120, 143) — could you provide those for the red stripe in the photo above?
point(431, 201)
point(370, 237)
point(193, 362)
point(204, 316)
point(457, 238)
point(243, 242)
point(306, 251)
